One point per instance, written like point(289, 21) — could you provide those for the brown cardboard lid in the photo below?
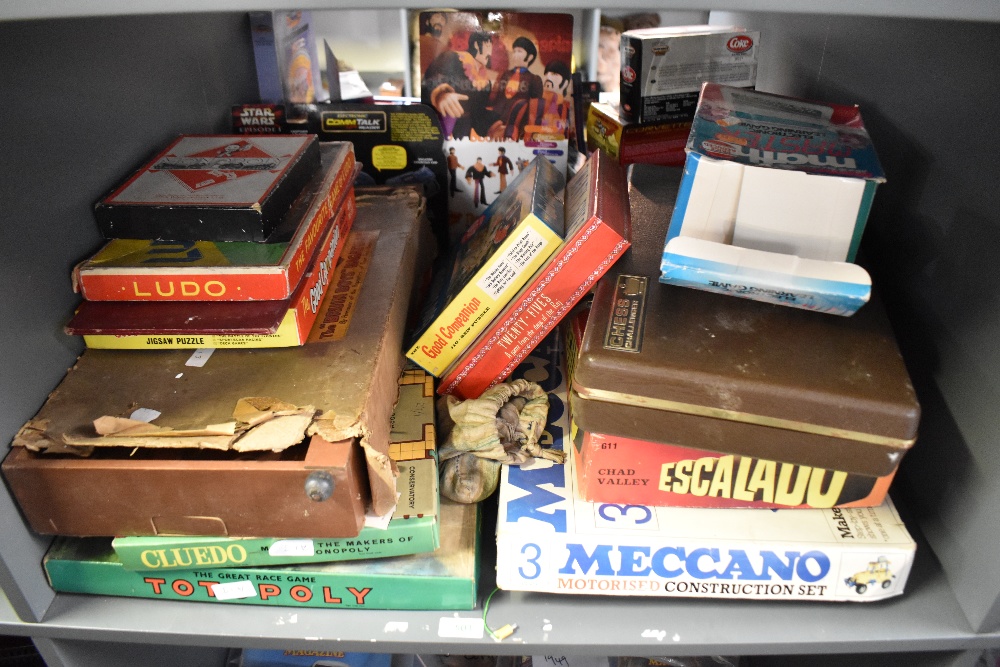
point(728, 358)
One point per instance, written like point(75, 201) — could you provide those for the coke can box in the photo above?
point(663, 68)
point(660, 143)
point(774, 201)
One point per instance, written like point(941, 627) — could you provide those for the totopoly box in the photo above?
point(446, 578)
point(549, 540)
point(211, 188)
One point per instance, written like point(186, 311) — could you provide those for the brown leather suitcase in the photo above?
point(202, 492)
point(720, 373)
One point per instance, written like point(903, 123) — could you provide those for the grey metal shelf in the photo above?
point(965, 10)
point(926, 618)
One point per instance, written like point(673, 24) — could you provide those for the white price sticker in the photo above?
point(234, 590)
point(461, 628)
point(200, 357)
point(292, 548)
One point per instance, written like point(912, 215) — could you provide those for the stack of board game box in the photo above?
point(423, 541)
point(218, 241)
point(551, 539)
point(718, 447)
point(297, 444)
point(496, 256)
point(662, 71)
point(597, 233)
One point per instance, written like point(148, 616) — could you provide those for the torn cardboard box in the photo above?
point(250, 400)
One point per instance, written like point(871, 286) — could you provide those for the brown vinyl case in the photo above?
point(715, 372)
point(157, 492)
point(185, 473)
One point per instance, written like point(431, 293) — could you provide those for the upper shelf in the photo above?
point(964, 10)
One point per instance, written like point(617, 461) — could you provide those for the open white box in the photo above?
point(773, 201)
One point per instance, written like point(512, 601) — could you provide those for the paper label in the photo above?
point(511, 263)
point(461, 628)
point(292, 548)
point(234, 590)
point(341, 298)
point(200, 357)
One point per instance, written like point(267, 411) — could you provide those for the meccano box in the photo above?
point(211, 188)
point(663, 68)
point(549, 540)
point(649, 143)
point(775, 199)
point(130, 436)
point(705, 371)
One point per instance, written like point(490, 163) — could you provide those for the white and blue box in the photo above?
point(773, 201)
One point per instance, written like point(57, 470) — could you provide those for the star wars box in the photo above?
point(705, 371)
point(211, 188)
